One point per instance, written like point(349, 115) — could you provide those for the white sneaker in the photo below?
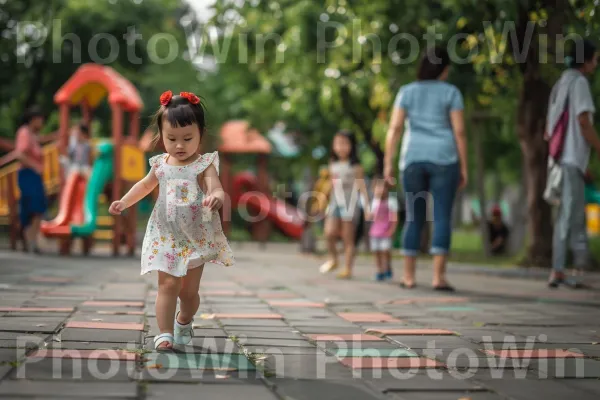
point(183, 333)
point(328, 267)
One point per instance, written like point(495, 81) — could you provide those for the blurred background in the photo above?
point(294, 72)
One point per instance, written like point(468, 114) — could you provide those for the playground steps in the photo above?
point(105, 228)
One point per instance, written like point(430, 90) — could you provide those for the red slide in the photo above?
point(70, 208)
point(287, 218)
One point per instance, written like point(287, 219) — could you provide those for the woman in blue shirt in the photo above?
point(433, 160)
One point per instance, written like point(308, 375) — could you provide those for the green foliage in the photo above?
point(73, 32)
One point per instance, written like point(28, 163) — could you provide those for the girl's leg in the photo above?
point(379, 260)
point(416, 183)
point(348, 232)
point(386, 257)
point(189, 298)
point(166, 302)
point(332, 233)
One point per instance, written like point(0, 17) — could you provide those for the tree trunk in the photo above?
point(480, 183)
point(531, 120)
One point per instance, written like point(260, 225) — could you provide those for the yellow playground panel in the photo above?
point(593, 219)
point(133, 163)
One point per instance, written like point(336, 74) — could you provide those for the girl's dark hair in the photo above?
point(582, 51)
point(433, 62)
point(31, 113)
point(179, 112)
point(83, 128)
point(353, 152)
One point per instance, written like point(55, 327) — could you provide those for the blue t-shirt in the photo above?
point(428, 132)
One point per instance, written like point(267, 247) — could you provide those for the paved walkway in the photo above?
point(273, 328)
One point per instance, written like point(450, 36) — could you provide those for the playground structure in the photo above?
point(252, 191)
point(117, 164)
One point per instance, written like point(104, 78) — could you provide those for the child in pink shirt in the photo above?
point(384, 223)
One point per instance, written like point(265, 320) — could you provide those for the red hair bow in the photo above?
point(192, 98)
point(166, 97)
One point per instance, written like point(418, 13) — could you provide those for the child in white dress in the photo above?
point(184, 230)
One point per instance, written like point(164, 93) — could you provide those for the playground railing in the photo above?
point(9, 189)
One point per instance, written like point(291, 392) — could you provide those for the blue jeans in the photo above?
point(429, 186)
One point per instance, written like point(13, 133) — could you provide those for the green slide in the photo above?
point(102, 173)
point(592, 196)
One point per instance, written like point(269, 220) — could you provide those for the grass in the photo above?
point(467, 247)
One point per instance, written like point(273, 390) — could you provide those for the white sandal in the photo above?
point(162, 338)
point(183, 333)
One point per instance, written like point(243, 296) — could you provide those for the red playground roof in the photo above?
point(92, 82)
point(237, 137)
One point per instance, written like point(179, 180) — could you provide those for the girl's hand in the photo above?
point(388, 175)
point(117, 207)
point(212, 202)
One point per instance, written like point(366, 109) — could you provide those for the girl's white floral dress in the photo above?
point(182, 233)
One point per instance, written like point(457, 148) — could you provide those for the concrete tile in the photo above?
point(248, 316)
point(411, 332)
point(529, 389)
point(44, 369)
point(68, 389)
point(213, 391)
point(344, 337)
point(100, 335)
point(367, 317)
point(105, 325)
point(225, 362)
point(536, 353)
point(106, 303)
point(306, 367)
point(303, 389)
point(390, 363)
point(37, 309)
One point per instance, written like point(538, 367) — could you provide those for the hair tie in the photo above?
point(166, 97)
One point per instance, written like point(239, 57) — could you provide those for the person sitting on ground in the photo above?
point(498, 232)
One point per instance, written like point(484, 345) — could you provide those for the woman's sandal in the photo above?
point(162, 338)
point(444, 288)
point(183, 333)
point(405, 286)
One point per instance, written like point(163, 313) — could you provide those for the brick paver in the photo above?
point(272, 327)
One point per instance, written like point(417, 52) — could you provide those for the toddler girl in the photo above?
point(347, 185)
point(384, 223)
point(184, 230)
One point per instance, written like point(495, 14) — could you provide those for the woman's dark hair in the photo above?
point(433, 62)
point(179, 112)
point(353, 152)
point(582, 51)
point(31, 113)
